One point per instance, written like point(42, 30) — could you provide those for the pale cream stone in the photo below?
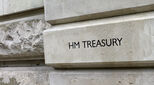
point(14, 6)
point(134, 49)
point(1, 7)
point(62, 11)
point(48, 76)
point(103, 77)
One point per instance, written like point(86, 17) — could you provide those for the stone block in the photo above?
point(1, 8)
point(62, 11)
point(14, 6)
point(103, 77)
point(22, 38)
point(48, 76)
point(24, 75)
point(123, 41)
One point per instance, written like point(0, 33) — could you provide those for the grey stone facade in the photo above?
point(22, 55)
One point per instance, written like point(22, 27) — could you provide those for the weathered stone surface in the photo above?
point(1, 8)
point(113, 42)
point(22, 39)
point(63, 11)
point(14, 6)
point(24, 75)
point(103, 77)
point(49, 76)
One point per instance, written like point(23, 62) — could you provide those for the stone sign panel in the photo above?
point(120, 41)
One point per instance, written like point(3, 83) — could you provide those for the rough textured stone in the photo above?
point(76, 10)
point(123, 41)
point(22, 38)
point(103, 77)
point(25, 76)
point(14, 6)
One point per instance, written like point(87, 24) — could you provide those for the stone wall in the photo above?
point(25, 76)
point(21, 43)
point(23, 38)
point(23, 60)
point(8, 7)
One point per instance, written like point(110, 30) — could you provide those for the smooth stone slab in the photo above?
point(114, 42)
point(1, 8)
point(103, 77)
point(62, 11)
point(14, 6)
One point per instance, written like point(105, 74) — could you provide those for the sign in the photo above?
point(93, 44)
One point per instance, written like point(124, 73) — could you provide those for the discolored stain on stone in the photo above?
point(12, 81)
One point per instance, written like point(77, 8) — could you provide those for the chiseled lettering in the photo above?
point(119, 40)
point(96, 43)
point(74, 45)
